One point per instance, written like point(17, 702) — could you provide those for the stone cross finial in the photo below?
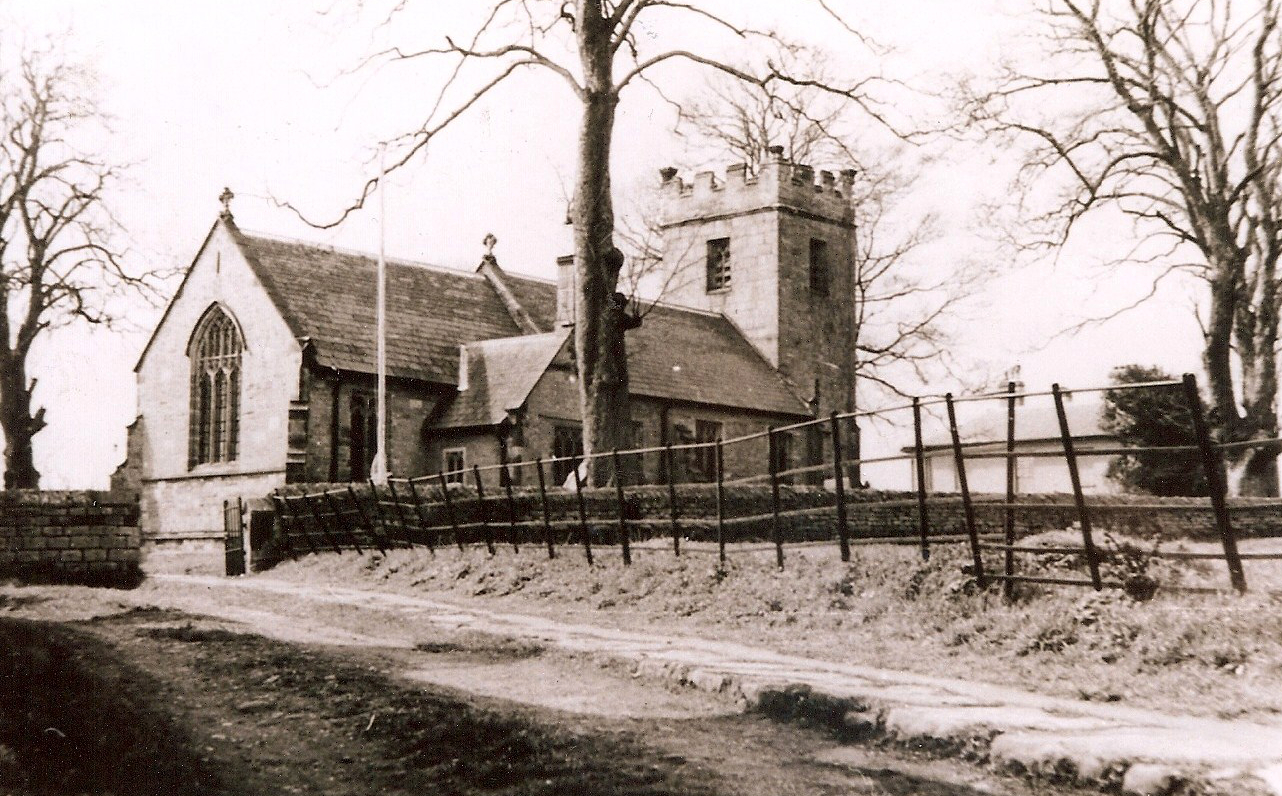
point(225, 197)
point(489, 243)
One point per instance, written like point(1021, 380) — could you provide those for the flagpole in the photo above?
point(378, 469)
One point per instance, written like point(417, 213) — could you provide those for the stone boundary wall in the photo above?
point(807, 514)
point(1137, 515)
point(87, 538)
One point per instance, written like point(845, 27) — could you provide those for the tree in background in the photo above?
point(901, 304)
point(1168, 112)
point(1152, 417)
point(57, 263)
point(597, 49)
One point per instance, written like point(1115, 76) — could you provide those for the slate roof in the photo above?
point(1034, 422)
point(684, 354)
point(687, 355)
point(328, 295)
point(501, 374)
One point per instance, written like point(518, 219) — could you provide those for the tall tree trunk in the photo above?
point(1252, 471)
point(1256, 471)
point(1218, 354)
point(601, 318)
point(18, 425)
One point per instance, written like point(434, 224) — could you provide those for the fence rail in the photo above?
point(795, 505)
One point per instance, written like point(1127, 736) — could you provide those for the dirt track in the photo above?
point(343, 709)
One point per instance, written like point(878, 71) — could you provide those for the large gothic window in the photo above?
point(215, 389)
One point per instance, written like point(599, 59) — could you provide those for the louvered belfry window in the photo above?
point(215, 389)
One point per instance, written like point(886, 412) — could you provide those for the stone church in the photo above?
point(261, 370)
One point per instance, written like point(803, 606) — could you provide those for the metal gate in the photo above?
point(234, 536)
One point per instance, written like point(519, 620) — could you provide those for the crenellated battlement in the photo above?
point(773, 251)
point(777, 183)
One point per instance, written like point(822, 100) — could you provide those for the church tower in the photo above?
point(774, 252)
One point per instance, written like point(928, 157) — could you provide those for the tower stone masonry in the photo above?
point(774, 252)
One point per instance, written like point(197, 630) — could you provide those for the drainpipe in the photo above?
point(333, 429)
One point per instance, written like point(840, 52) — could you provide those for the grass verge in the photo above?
point(1212, 654)
point(73, 719)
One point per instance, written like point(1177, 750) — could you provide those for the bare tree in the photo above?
point(806, 124)
point(901, 308)
point(56, 264)
point(1169, 112)
point(599, 49)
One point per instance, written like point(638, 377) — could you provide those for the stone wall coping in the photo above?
point(66, 497)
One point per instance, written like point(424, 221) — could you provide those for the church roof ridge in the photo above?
point(352, 252)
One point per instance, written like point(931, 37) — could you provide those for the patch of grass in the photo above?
point(15, 602)
point(887, 607)
point(73, 720)
point(485, 646)
point(191, 634)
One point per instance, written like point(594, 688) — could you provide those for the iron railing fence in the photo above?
point(772, 503)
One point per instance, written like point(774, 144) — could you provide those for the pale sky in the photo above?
point(251, 95)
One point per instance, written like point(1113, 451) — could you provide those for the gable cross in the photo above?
point(225, 197)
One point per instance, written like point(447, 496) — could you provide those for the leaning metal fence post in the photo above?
point(480, 509)
point(839, 486)
point(376, 509)
point(1215, 482)
point(398, 514)
point(281, 511)
point(1092, 557)
point(449, 510)
point(301, 523)
point(356, 501)
point(720, 463)
point(378, 519)
point(506, 475)
point(672, 499)
point(583, 515)
point(777, 531)
point(968, 508)
point(1008, 586)
point(339, 521)
point(425, 527)
point(919, 456)
point(322, 525)
point(543, 500)
point(623, 523)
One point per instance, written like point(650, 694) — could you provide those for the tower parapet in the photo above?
point(778, 184)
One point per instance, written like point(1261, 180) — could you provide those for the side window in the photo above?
point(703, 461)
point(718, 264)
point(819, 271)
point(454, 464)
point(636, 437)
